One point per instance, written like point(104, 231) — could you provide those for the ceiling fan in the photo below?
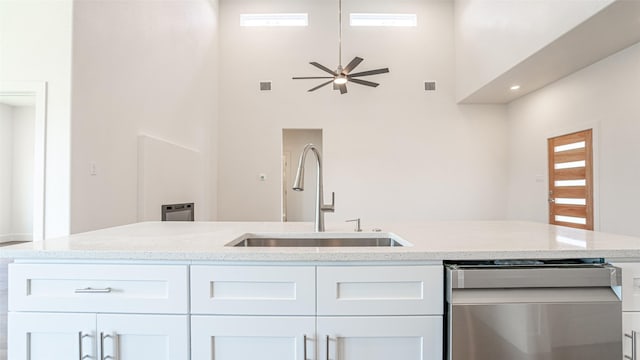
point(341, 76)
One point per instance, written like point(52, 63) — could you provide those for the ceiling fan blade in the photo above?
point(371, 72)
point(312, 77)
point(319, 86)
point(364, 82)
point(343, 88)
point(352, 65)
point(323, 68)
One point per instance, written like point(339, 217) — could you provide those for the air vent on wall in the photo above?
point(265, 85)
point(429, 85)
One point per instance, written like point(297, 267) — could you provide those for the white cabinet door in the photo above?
point(380, 338)
point(48, 336)
point(631, 332)
point(143, 337)
point(251, 338)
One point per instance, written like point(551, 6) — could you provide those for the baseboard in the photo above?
point(15, 237)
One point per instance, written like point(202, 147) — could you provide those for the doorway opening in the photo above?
point(298, 205)
point(22, 161)
point(571, 180)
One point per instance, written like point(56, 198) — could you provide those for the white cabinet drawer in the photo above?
point(253, 290)
point(380, 290)
point(98, 288)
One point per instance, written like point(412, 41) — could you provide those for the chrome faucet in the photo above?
point(298, 185)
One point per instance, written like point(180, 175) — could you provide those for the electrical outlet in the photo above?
point(93, 168)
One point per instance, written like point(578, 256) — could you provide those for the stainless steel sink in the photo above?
point(317, 240)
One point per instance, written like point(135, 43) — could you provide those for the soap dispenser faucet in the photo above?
point(298, 185)
point(357, 221)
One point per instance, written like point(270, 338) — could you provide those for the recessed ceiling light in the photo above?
point(515, 87)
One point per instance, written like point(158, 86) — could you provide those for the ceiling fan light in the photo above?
point(340, 80)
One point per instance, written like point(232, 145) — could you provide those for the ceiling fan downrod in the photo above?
point(340, 34)
point(341, 75)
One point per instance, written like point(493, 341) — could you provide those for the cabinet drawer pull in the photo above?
point(304, 346)
point(116, 342)
point(328, 347)
point(116, 347)
point(634, 338)
point(90, 290)
point(102, 336)
point(80, 351)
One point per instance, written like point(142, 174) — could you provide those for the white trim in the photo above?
point(38, 89)
point(15, 237)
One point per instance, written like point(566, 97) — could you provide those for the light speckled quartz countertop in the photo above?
point(455, 240)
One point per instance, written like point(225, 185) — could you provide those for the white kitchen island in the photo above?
point(174, 291)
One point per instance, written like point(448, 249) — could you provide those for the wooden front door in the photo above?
point(571, 180)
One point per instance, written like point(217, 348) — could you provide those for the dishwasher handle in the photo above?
point(533, 277)
point(582, 295)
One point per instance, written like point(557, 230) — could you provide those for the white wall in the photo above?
point(603, 96)
point(140, 67)
point(393, 152)
point(492, 36)
point(35, 45)
point(6, 162)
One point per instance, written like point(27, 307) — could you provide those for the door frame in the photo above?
point(37, 89)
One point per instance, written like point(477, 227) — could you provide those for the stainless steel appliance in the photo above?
point(533, 310)
point(178, 212)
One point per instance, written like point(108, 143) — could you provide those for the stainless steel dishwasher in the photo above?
point(533, 310)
